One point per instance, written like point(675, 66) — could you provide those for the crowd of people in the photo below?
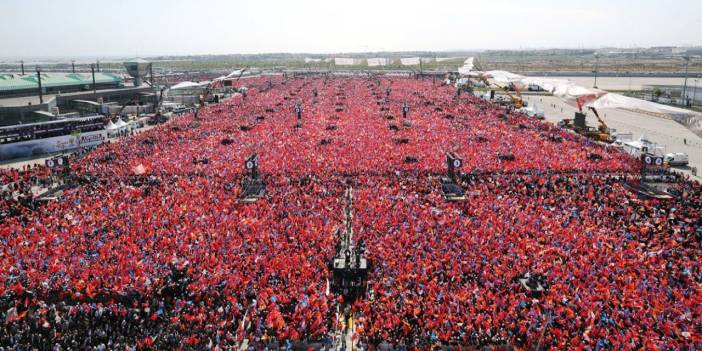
point(151, 247)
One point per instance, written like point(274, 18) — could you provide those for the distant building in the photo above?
point(693, 93)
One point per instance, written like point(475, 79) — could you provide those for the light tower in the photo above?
point(92, 70)
point(41, 93)
point(684, 91)
point(138, 68)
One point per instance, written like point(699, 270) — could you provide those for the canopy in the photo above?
point(111, 126)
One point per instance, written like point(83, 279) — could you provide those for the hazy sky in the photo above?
point(153, 27)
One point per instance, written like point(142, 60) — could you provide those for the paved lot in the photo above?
point(665, 132)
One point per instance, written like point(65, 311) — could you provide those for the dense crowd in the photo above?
point(150, 248)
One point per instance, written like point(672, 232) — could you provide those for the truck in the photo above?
point(676, 159)
point(648, 151)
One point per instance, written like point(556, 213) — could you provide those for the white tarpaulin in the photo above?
point(341, 61)
point(442, 59)
point(409, 61)
point(503, 77)
point(582, 97)
point(561, 88)
point(469, 68)
point(185, 85)
point(378, 61)
point(690, 119)
point(235, 73)
point(308, 60)
point(612, 100)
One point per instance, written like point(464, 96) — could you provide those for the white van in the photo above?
point(677, 159)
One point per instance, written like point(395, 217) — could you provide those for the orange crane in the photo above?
point(603, 132)
point(517, 101)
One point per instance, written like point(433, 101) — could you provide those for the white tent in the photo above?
point(112, 129)
point(123, 126)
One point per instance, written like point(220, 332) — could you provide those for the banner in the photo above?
point(340, 61)
point(410, 61)
point(378, 61)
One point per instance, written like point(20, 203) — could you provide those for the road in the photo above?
point(665, 132)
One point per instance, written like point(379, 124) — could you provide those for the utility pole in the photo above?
point(694, 91)
point(22, 64)
point(684, 92)
point(597, 61)
point(73, 66)
point(98, 65)
point(151, 72)
point(41, 94)
point(92, 69)
point(629, 73)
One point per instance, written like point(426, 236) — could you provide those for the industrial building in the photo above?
point(27, 98)
point(693, 93)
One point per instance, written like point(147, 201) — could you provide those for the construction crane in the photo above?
point(602, 133)
point(215, 84)
point(135, 98)
point(159, 116)
point(208, 89)
point(517, 101)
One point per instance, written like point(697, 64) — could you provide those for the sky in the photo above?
point(105, 28)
